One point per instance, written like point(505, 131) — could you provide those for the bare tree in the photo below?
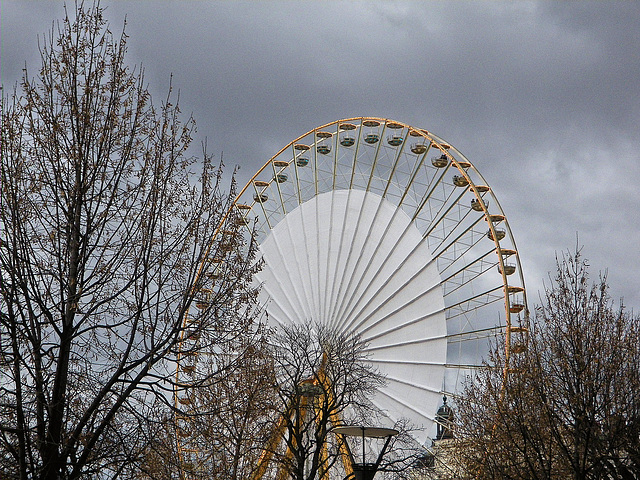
point(222, 432)
point(323, 380)
point(105, 225)
point(232, 416)
point(570, 406)
point(244, 401)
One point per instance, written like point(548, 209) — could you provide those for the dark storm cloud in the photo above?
point(543, 97)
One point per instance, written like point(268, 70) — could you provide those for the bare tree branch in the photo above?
point(571, 407)
point(105, 224)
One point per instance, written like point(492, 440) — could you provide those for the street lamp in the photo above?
point(366, 470)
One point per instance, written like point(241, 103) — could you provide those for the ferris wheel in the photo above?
point(374, 227)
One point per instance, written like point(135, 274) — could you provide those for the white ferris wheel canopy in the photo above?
point(352, 261)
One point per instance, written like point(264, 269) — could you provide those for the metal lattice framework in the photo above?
point(373, 226)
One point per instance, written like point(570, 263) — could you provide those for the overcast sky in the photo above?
point(542, 97)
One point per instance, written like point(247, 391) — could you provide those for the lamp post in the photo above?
point(367, 470)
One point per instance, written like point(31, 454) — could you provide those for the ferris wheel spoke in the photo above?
point(403, 324)
point(441, 215)
point(400, 402)
point(296, 160)
point(403, 320)
point(428, 389)
point(406, 362)
point(482, 333)
point(471, 304)
point(442, 248)
point(293, 295)
point(280, 177)
point(314, 149)
point(325, 173)
point(335, 150)
point(375, 160)
point(323, 246)
point(414, 384)
point(431, 187)
point(358, 146)
point(289, 191)
point(302, 170)
point(464, 366)
point(417, 341)
point(348, 143)
point(398, 156)
point(257, 200)
point(418, 167)
point(468, 236)
point(468, 273)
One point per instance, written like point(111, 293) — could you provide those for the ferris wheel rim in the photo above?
point(456, 162)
